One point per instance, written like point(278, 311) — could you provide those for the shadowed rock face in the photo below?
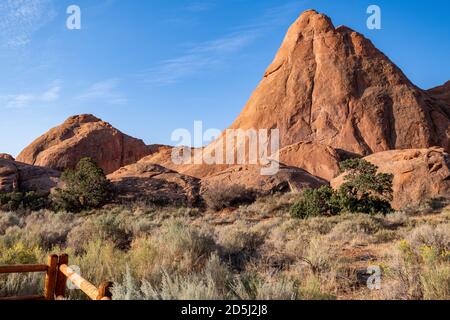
point(287, 179)
point(147, 182)
point(16, 176)
point(442, 93)
point(332, 86)
point(84, 136)
point(419, 174)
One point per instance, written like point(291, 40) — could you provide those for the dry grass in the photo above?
point(254, 252)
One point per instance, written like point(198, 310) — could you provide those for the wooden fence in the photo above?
point(57, 272)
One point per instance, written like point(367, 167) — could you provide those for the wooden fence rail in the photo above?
point(57, 272)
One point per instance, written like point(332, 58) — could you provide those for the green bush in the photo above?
point(316, 202)
point(85, 188)
point(364, 191)
point(22, 200)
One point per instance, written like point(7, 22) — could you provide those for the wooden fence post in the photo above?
point(50, 277)
point(104, 291)
point(61, 279)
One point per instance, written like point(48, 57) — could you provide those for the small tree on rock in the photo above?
point(365, 190)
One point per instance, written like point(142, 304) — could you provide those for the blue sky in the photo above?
point(150, 67)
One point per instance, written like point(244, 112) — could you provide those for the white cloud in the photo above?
point(105, 91)
point(23, 100)
point(52, 94)
point(198, 58)
point(207, 54)
point(20, 19)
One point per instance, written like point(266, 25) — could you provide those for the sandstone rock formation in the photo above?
point(332, 86)
point(419, 174)
point(84, 136)
point(287, 179)
point(150, 182)
point(318, 159)
point(16, 176)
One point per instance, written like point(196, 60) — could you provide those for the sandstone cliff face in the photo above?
point(332, 86)
point(84, 136)
point(16, 176)
point(419, 174)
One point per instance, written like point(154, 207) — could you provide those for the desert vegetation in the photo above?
point(238, 245)
point(257, 251)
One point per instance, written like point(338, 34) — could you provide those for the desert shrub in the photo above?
point(270, 205)
point(86, 187)
point(182, 287)
point(22, 200)
point(419, 267)
point(175, 247)
point(220, 197)
point(364, 190)
point(315, 202)
point(310, 289)
point(254, 286)
point(100, 261)
point(211, 283)
point(21, 284)
point(107, 227)
point(7, 220)
point(20, 254)
point(357, 228)
point(321, 256)
point(238, 243)
point(43, 229)
point(437, 237)
point(436, 282)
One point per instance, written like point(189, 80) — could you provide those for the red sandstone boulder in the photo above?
point(84, 136)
